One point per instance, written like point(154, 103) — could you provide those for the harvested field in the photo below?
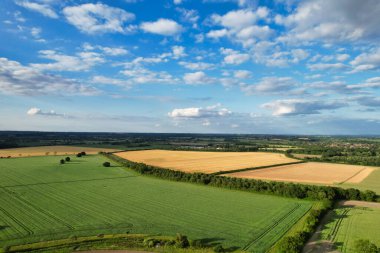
point(206, 162)
point(312, 172)
point(50, 150)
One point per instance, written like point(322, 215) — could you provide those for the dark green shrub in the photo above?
point(79, 155)
point(181, 241)
point(67, 159)
point(365, 246)
point(106, 164)
point(62, 161)
point(6, 249)
point(219, 248)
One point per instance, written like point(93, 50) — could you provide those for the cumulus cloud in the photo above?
point(127, 84)
point(199, 112)
point(241, 25)
point(233, 56)
point(327, 66)
point(338, 20)
point(197, 65)
point(367, 61)
point(81, 61)
point(271, 85)
point(16, 79)
point(142, 75)
point(299, 107)
point(178, 52)
point(242, 74)
point(369, 101)
point(37, 111)
point(240, 18)
point(44, 9)
point(197, 78)
point(98, 18)
point(162, 26)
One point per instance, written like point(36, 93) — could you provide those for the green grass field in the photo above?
point(42, 200)
point(349, 224)
point(369, 183)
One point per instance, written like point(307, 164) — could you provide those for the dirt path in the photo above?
point(315, 245)
point(359, 203)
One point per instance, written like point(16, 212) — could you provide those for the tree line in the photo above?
point(283, 189)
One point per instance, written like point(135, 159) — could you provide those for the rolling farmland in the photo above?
point(42, 200)
point(206, 162)
point(311, 172)
point(50, 150)
point(350, 223)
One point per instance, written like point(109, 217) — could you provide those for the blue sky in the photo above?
point(211, 66)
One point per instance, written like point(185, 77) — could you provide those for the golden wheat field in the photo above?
point(50, 150)
point(206, 162)
point(311, 172)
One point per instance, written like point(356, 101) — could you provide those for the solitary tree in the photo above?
point(62, 161)
point(106, 164)
point(79, 155)
point(67, 159)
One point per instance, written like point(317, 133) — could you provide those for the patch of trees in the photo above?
point(292, 190)
point(80, 154)
point(365, 246)
point(369, 156)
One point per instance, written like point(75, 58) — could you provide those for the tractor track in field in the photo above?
point(39, 209)
point(63, 182)
point(266, 231)
point(27, 230)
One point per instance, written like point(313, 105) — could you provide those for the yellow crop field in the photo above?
point(311, 172)
point(50, 150)
point(206, 162)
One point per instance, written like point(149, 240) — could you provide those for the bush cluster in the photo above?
point(295, 243)
point(300, 191)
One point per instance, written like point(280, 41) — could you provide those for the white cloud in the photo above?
point(189, 16)
point(141, 75)
point(199, 112)
point(342, 57)
point(338, 20)
point(178, 52)
point(242, 74)
point(271, 85)
point(197, 65)
point(367, 61)
point(126, 84)
point(197, 78)
point(16, 79)
point(240, 18)
point(326, 66)
point(44, 9)
point(177, 1)
point(234, 57)
point(82, 61)
point(98, 18)
point(162, 26)
point(37, 111)
point(299, 107)
point(216, 34)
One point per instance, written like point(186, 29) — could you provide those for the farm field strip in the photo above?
point(311, 172)
point(206, 162)
point(350, 223)
point(134, 204)
point(50, 150)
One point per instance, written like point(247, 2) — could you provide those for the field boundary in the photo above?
point(255, 168)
